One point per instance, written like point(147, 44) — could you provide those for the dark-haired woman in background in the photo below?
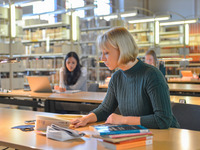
point(72, 75)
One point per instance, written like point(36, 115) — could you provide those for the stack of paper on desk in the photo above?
point(61, 134)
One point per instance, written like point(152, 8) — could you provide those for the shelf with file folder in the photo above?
point(54, 25)
point(42, 69)
point(96, 28)
point(52, 55)
point(44, 40)
point(87, 42)
point(140, 31)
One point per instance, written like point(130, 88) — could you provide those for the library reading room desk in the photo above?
point(175, 89)
point(167, 139)
point(81, 101)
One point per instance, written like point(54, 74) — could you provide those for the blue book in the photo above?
point(108, 129)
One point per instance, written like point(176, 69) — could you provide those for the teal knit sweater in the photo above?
point(140, 91)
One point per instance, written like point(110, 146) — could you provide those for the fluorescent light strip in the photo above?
point(142, 20)
point(128, 14)
point(110, 17)
point(150, 19)
point(178, 22)
point(162, 18)
point(187, 34)
point(13, 24)
point(157, 37)
point(74, 24)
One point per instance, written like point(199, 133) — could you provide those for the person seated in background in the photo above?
point(137, 89)
point(72, 75)
point(151, 59)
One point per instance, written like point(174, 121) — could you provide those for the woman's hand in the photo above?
point(62, 89)
point(79, 122)
point(84, 120)
point(119, 119)
point(115, 119)
point(56, 87)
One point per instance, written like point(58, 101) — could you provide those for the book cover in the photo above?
point(118, 140)
point(128, 135)
point(108, 129)
point(126, 145)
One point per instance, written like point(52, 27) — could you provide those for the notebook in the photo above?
point(39, 84)
point(186, 73)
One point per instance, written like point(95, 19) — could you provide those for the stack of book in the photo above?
point(120, 137)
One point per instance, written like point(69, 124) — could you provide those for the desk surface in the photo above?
point(173, 139)
point(184, 87)
point(189, 99)
point(22, 93)
point(180, 80)
point(90, 97)
point(175, 87)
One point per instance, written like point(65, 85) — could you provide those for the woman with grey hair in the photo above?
point(139, 90)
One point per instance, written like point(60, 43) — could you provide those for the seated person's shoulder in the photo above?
point(84, 71)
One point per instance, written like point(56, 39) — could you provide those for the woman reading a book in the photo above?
point(72, 75)
point(139, 90)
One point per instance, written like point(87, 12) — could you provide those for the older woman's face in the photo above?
point(149, 60)
point(71, 63)
point(110, 57)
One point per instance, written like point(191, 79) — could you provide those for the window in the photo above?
point(75, 4)
point(45, 6)
point(103, 7)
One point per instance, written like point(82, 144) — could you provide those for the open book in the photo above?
point(43, 121)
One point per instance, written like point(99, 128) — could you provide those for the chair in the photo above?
point(93, 87)
point(187, 115)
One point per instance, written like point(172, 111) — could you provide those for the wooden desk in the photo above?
point(172, 139)
point(176, 89)
point(189, 99)
point(184, 89)
point(194, 81)
point(81, 101)
point(23, 98)
point(103, 86)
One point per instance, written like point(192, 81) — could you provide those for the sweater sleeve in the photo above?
point(158, 92)
point(81, 81)
point(61, 81)
point(108, 105)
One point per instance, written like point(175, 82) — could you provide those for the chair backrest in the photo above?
point(93, 87)
point(187, 115)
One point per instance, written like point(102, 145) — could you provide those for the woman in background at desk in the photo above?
point(139, 90)
point(151, 59)
point(72, 75)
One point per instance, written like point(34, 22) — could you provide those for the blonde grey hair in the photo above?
point(121, 39)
